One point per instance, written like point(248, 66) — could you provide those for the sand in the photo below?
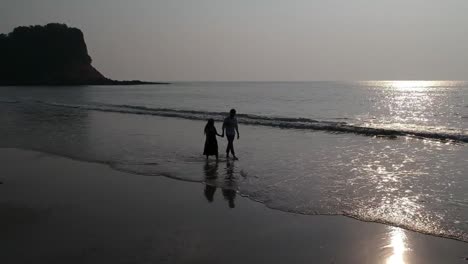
point(58, 210)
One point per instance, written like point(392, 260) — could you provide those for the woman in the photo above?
point(211, 144)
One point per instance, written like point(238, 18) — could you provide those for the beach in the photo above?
point(139, 132)
point(59, 210)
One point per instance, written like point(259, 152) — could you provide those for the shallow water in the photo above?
point(414, 182)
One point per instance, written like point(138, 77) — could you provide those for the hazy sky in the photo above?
point(289, 40)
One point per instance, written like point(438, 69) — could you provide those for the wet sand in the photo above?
point(57, 210)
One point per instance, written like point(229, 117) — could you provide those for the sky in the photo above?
point(262, 40)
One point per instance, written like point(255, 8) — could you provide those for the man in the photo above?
point(230, 126)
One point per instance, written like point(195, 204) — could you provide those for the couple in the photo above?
point(230, 126)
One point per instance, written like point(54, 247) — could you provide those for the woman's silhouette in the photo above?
point(211, 144)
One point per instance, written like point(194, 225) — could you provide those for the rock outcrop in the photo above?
point(54, 54)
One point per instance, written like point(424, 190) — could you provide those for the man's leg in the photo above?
point(230, 145)
point(227, 150)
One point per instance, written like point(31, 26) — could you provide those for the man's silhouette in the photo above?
point(231, 128)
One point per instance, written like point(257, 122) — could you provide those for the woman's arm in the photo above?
point(216, 131)
point(224, 122)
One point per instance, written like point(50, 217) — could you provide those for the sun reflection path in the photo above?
point(413, 85)
point(398, 245)
point(419, 106)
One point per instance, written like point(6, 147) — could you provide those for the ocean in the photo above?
point(393, 152)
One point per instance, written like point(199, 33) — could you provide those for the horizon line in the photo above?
point(299, 81)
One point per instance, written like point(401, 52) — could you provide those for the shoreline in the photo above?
point(87, 212)
point(245, 196)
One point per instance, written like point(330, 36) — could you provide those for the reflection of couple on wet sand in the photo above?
point(230, 127)
point(228, 189)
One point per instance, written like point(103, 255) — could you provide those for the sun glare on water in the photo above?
point(406, 104)
point(398, 245)
point(411, 85)
point(416, 85)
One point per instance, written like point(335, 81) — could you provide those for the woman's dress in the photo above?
point(211, 144)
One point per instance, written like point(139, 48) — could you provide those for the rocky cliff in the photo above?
point(54, 54)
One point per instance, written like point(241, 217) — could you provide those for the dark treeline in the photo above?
point(54, 54)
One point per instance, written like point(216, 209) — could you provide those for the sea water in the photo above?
point(385, 151)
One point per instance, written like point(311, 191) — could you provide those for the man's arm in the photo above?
point(237, 130)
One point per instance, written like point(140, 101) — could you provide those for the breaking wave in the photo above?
point(280, 122)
